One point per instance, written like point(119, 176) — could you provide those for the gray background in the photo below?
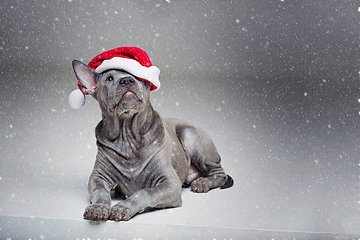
point(275, 83)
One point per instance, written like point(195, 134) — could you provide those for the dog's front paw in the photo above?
point(97, 212)
point(201, 185)
point(120, 212)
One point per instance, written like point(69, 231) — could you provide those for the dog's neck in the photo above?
point(131, 129)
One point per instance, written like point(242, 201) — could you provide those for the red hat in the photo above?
point(130, 59)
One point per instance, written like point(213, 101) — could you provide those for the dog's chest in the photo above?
point(130, 163)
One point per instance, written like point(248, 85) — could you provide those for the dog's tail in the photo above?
point(229, 183)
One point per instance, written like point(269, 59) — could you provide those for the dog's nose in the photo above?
point(127, 81)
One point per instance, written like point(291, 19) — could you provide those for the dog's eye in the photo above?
point(109, 79)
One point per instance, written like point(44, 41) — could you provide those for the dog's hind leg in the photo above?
point(205, 172)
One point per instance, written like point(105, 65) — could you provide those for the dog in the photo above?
point(143, 158)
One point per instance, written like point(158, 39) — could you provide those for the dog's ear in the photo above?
point(86, 76)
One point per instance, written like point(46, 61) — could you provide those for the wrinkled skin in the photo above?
point(143, 158)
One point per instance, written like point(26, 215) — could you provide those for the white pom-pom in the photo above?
point(76, 99)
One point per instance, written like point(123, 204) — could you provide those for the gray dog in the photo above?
point(142, 157)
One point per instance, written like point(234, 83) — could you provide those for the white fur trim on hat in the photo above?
point(132, 66)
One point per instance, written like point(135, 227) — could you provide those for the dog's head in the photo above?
point(118, 92)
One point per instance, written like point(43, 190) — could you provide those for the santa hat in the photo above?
point(130, 59)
